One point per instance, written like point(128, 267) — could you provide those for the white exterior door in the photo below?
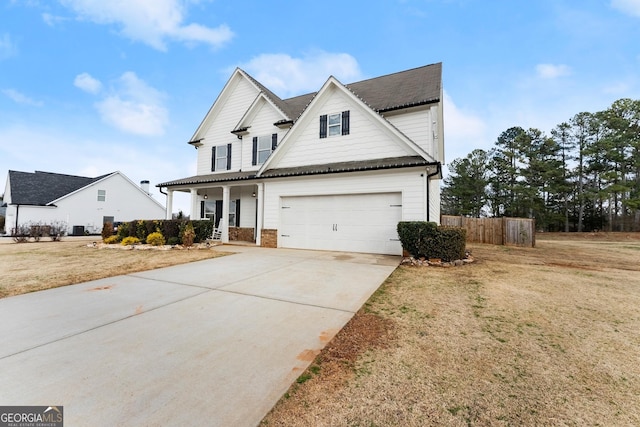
point(351, 223)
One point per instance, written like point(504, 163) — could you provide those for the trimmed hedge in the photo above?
point(171, 229)
point(428, 240)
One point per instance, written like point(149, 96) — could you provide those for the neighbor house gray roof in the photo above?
point(404, 89)
point(352, 166)
point(41, 188)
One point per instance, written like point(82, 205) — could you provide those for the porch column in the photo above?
point(224, 221)
point(169, 212)
point(194, 204)
point(260, 213)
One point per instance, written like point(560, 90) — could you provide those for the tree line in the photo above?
point(584, 176)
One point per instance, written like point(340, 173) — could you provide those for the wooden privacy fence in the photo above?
point(495, 231)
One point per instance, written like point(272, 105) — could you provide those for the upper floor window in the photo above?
point(102, 195)
point(221, 157)
point(262, 148)
point(334, 124)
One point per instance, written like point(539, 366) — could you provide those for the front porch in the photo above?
point(236, 209)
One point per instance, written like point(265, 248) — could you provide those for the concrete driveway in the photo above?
point(215, 342)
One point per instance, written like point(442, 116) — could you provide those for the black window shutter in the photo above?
point(202, 209)
point(228, 156)
point(274, 141)
point(213, 159)
point(237, 212)
point(345, 122)
point(323, 126)
point(254, 156)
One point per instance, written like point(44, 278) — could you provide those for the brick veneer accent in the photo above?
point(269, 238)
point(242, 234)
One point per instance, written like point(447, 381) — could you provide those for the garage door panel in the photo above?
point(354, 223)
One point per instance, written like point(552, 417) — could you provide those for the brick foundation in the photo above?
point(241, 234)
point(269, 238)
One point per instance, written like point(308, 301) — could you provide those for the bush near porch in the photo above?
point(428, 240)
point(171, 229)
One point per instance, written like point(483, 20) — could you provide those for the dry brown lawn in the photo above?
point(28, 267)
point(541, 336)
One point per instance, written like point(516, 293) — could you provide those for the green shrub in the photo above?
point(203, 230)
point(107, 230)
point(123, 230)
point(155, 239)
point(128, 241)
point(413, 235)
point(111, 240)
point(170, 228)
point(427, 239)
point(173, 241)
point(188, 235)
point(141, 230)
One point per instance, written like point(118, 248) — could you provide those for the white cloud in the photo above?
point(149, 21)
point(135, 107)
point(464, 131)
point(630, 7)
point(552, 71)
point(53, 20)
point(21, 98)
point(287, 76)
point(7, 47)
point(87, 83)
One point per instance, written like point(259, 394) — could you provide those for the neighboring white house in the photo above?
point(331, 170)
point(83, 203)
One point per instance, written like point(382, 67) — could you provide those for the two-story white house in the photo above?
point(332, 170)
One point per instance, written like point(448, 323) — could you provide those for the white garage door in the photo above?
point(352, 223)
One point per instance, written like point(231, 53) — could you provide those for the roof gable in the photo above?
point(332, 88)
point(42, 188)
point(260, 101)
point(223, 97)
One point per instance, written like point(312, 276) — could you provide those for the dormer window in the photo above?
point(334, 124)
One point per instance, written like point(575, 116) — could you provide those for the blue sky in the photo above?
point(88, 87)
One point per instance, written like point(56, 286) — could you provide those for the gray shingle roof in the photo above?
point(40, 188)
point(408, 88)
point(403, 89)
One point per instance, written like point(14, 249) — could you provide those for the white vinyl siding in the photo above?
point(261, 126)
point(236, 102)
point(366, 139)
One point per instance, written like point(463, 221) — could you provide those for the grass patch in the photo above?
point(524, 336)
point(29, 267)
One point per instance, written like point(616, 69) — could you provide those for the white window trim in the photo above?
point(219, 157)
point(337, 126)
point(102, 195)
point(268, 141)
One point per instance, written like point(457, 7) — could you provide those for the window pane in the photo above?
point(221, 151)
point(264, 142)
point(334, 119)
point(334, 130)
point(263, 156)
point(221, 164)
